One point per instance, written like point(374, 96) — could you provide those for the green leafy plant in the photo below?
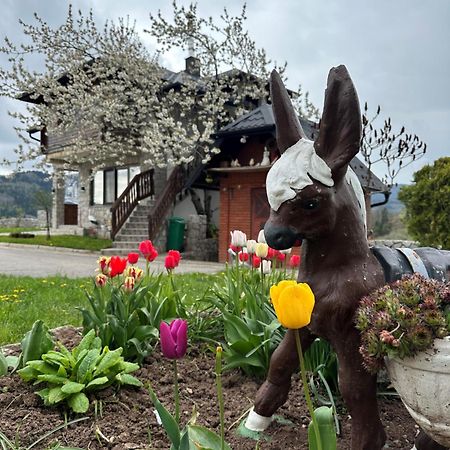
point(251, 329)
point(71, 375)
point(128, 319)
point(403, 318)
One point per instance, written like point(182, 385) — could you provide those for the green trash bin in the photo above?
point(175, 236)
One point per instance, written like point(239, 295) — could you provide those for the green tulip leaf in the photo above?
point(35, 343)
point(204, 439)
point(3, 365)
point(169, 423)
point(324, 420)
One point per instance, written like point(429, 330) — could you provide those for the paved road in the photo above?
point(42, 262)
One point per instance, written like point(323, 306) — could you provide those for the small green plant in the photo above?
point(403, 318)
point(71, 375)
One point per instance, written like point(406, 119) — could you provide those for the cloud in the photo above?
point(397, 52)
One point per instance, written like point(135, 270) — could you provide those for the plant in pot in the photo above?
point(406, 327)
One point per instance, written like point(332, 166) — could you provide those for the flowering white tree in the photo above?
point(107, 97)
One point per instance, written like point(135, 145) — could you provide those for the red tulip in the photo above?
point(294, 261)
point(170, 262)
point(256, 261)
point(243, 257)
point(117, 265)
point(176, 255)
point(133, 258)
point(281, 256)
point(271, 253)
point(148, 251)
point(173, 338)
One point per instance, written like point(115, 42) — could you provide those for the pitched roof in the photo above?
point(259, 120)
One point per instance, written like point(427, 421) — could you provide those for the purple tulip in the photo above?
point(173, 338)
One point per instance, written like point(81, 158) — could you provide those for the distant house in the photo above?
point(248, 148)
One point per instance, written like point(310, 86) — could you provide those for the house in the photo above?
point(248, 148)
point(131, 201)
point(109, 193)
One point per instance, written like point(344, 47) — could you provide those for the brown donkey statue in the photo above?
point(316, 198)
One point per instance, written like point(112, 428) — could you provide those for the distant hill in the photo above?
point(394, 205)
point(17, 192)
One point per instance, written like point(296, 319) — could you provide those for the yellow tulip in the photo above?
point(261, 250)
point(293, 303)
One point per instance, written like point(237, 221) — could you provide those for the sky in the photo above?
point(397, 52)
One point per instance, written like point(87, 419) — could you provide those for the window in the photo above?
point(108, 184)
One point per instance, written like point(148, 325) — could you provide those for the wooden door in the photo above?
point(260, 211)
point(70, 214)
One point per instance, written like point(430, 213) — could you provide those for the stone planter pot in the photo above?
point(423, 383)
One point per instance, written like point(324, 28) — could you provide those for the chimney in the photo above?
point(193, 66)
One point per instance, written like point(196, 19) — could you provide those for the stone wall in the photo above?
point(199, 248)
point(395, 243)
point(29, 222)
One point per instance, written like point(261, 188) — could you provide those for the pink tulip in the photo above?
point(173, 338)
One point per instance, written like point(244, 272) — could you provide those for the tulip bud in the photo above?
point(251, 244)
point(173, 338)
point(133, 258)
point(262, 237)
point(128, 284)
point(294, 261)
point(266, 266)
point(293, 303)
point(261, 250)
point(256, 262)
point(101, 279)
point(243, 256)
point(134, 272)
point(103, 262)
point(175, 255)
point(148, 250)
point(238, 238)
point(170, 262)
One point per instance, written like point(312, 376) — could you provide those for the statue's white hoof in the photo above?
point(255, 422)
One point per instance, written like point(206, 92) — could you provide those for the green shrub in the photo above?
point(71, 375)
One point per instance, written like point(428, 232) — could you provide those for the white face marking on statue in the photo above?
point(293, 172)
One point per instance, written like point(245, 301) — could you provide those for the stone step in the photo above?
point(127, 244)
point(131, 237)
point(134, 230)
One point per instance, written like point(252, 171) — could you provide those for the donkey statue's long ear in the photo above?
point(340, 127)
point(289, 130)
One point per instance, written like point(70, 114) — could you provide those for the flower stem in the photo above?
point(177, 392)
point(220, 396)
point(306, 390)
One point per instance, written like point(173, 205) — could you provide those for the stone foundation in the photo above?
point(198, 248)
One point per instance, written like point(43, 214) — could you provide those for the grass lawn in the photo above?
point(18, 229)
point(23, 300)
point(68, 241)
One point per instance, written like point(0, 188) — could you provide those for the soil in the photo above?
point(125, 420)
